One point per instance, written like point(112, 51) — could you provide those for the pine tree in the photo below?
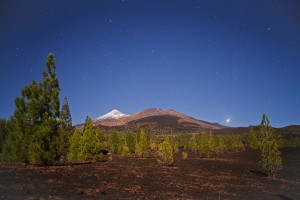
point(43, 142)
point(74, 147)
point(65, 115)
point(123, 148)
point(65, 129)
point(193, 143)
point(165, 152)
point(271, 159)
point(207, 144)
point(114, 142)
point(90, 146)
point(142, 145)
point(253, 139)
point(130, 141)
point(221, 147)
point(33, 130)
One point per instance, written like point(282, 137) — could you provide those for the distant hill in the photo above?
point(154, 119)
point(159, 121)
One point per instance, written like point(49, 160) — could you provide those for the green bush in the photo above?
point(165, 153)
point(74, 146)
point(130, 141)
point(142, 145)
point(233, 143)
point(193, 143)
point(174, 144)
point(221, 147)
point(289, 142)
point(123, 148)
point(153, 143)
point(114, 142)
point(86, 145)
point(207, 144)
point(184, 155)
point(182, 140)
point(90, 144)
point(41, 150)
point(253, 139)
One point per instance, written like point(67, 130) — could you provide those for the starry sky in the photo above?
point(213, 60)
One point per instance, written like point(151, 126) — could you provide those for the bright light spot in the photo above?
point(227, 120)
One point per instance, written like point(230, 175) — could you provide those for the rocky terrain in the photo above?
point(229, 176)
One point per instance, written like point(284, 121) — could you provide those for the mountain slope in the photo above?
point(158, 118)
point(112, 115)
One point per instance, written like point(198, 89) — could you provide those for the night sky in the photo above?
point(212, 60)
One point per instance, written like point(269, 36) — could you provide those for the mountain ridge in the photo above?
point(158, 117)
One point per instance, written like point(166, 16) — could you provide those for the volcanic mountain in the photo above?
point(154, 119)
point(114, 114)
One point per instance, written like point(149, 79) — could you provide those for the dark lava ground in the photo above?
point(230, 176)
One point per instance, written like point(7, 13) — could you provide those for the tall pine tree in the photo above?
point(34, 126)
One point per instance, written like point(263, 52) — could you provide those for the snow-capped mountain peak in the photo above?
point(114, 114)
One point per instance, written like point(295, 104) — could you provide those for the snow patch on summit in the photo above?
point(114, 114)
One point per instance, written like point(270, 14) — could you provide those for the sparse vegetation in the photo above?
point(289, 141)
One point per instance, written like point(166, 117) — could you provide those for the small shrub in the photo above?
point(125, 150)
point(165, 153)
point(110, 158)
point(290, 141)
point(232, 143)
point(193, 144)
point(184, 155)
point(174, 145)
point(240, 145)
point(153, 144)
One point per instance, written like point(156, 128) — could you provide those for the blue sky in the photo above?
point(211, 60)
